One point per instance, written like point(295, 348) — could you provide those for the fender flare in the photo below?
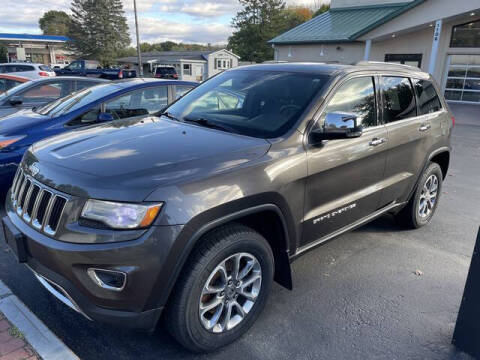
point(193, 238)
point(425, 165)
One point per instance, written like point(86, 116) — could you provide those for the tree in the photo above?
point(54, 22)
point(322, 9)
point(294, 16)
point(98, 29)
point(258, 22)
point(3, 54)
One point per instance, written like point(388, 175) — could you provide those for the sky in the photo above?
point(188, 21)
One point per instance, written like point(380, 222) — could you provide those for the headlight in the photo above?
point(9, 140)
point(121, 215)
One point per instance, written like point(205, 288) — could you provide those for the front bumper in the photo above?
point(62, 268)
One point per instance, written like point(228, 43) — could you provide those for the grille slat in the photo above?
point(56, 210)
point(36, 204)
point(22, 194)
point(32, 200)
point(19, 187)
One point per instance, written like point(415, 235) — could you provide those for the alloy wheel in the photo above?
point(428, 197)
point(230, 292)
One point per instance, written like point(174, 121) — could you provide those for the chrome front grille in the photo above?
point(36, 204)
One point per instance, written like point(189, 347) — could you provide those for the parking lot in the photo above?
point(377, 292)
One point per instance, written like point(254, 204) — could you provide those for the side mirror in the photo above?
point(104, 117)
point(15, 100)
point(338, 126)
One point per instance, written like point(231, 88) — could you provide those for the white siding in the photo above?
point(220, 55)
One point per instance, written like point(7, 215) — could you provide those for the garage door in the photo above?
point(463, 79)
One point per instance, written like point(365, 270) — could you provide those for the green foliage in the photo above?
point(322, 9)
point(293, 17)
point(258, 22)
point(54, 22)
point(98, 30)
point(3, 54)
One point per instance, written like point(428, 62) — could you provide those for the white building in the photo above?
point(43, 49)
point(190, 65)
point(439, 36)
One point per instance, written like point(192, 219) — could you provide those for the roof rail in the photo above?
point(365, 63)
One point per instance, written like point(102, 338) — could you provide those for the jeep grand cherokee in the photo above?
point(196, 212)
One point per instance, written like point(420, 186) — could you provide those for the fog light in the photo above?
point(108, 279)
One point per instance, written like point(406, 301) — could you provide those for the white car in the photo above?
point(28, 70)
point(59, 65)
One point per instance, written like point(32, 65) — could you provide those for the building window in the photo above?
point(222, 64)
point(466, 35)
point(405, 59)
point(187, 69)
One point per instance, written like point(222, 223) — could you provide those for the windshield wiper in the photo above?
point(169, 115)
point(212, 125)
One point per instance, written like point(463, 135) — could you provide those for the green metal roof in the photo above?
point(343, 24)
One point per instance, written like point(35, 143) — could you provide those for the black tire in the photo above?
point(182, 314)
point(410, 216)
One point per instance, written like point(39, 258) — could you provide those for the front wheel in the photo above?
point(223, 289)
point(422, 206)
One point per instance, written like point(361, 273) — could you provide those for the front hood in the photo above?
point(127, 160)
point(19, 121)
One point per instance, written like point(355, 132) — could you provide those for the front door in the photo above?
point(345, 176)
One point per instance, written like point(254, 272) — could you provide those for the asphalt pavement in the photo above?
point(375, 293)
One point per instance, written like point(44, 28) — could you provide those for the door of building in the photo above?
point(463, 79)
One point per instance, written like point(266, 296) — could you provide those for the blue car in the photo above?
point(107, 102)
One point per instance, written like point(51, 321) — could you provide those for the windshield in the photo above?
point(76, 100)
point(257, 103)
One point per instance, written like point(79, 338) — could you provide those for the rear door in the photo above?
point(409, 134)
point(345, 176)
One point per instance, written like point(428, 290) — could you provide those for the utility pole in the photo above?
point(139, 54)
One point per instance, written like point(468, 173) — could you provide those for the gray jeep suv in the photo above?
point(194, 213)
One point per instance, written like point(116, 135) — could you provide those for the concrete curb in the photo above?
point(42, 340)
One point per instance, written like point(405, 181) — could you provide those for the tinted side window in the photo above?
point(428, 100)
point(25, 68)
point(139, 102)
point(356, 96)
point(46, 92)
point(398, 99)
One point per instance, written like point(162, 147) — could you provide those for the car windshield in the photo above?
point(76, 100)
point(256, 103)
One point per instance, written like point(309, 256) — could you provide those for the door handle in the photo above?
point(377, 141)
point(425, 127)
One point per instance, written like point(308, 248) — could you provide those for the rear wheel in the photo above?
point(222, 290)
point(423, 204)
